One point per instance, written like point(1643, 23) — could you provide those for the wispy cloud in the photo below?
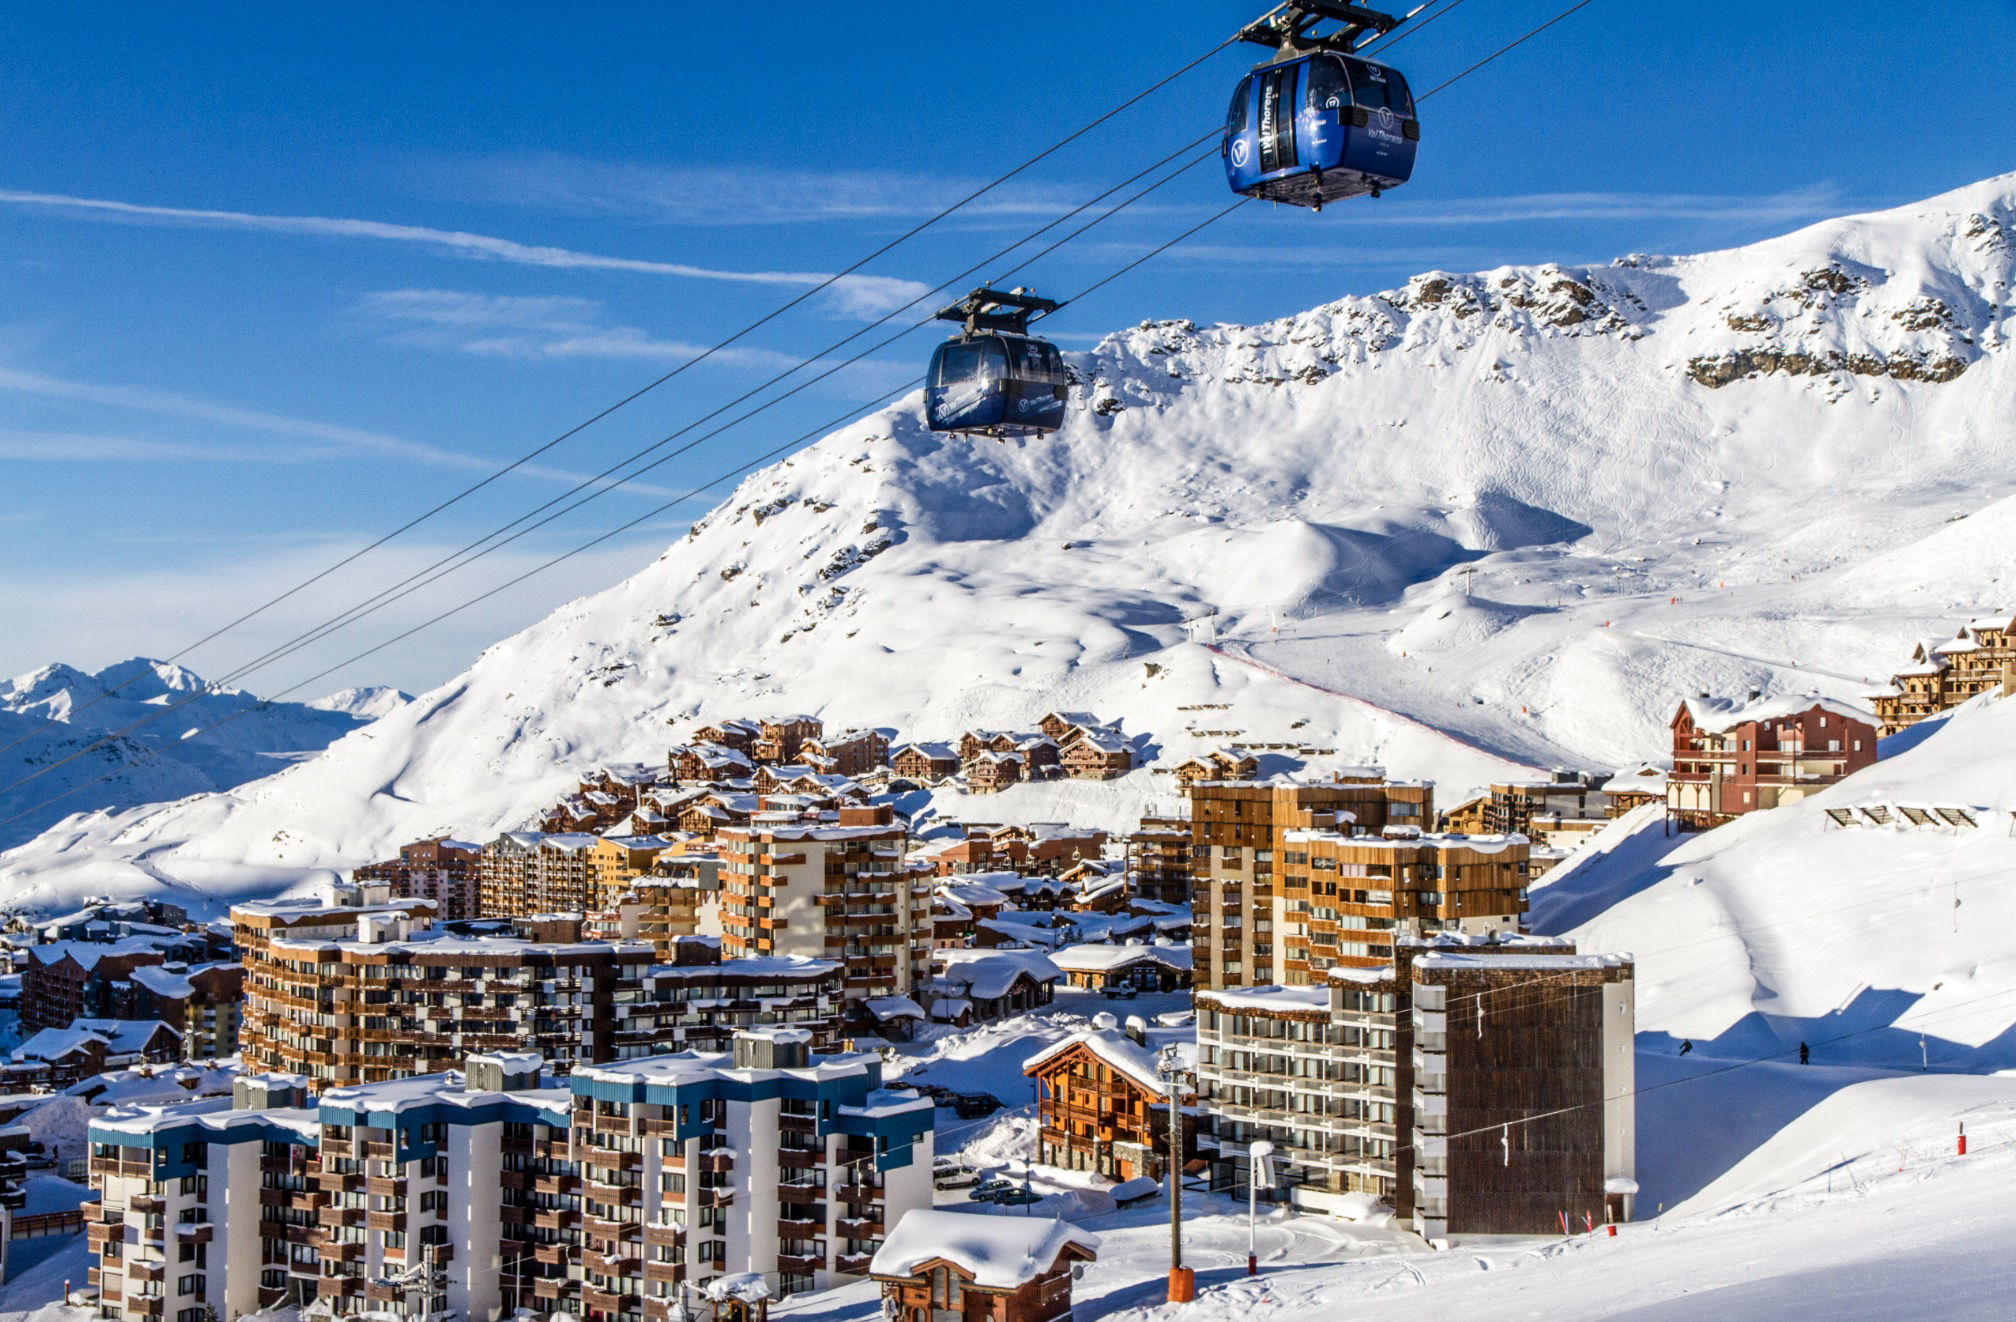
point(700, 196)
point(31, 446)
point(546, 329)
point(337, 440)
point(853, 292)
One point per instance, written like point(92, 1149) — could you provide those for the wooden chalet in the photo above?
point(924, 762)
point(1731, 758)
point(1102, 1105)
point(938, 1266)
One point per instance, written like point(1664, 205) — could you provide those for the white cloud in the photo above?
point(339, 439)
point(703, 196)
point(881, 292)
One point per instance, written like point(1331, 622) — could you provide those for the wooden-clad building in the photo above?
point(1102, 1106)
point(1237, 836)
point(1478, 1085)
point(1940, 676)
point(965, 1267)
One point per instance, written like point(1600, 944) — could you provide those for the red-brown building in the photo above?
point(441, 870)
point(780, 738)
point(1730, 758)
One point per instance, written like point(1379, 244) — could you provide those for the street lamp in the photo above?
point(1258, 1168)
point(1182, 1280)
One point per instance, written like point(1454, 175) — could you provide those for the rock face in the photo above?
point(1472, 526)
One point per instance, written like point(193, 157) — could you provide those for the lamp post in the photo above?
point(1257, 1168)
point(1182, 1280)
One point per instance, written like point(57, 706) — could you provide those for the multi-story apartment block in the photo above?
point(1479, 1085)
point(68, 980)
point(476, 1196)
point(1158, 860)
point(698, 1001)
point(203, 1004)
point(444, 872)
point(1512, 807)
point(1942, 675)
point(359, 994)
point(1237, 833)
point(1538, 1048)
point(680, 898)
point(504, 875)
point(1734, 758)
point(847, 753)
point(523, 873)
point(1342, 898)
point(841, 891)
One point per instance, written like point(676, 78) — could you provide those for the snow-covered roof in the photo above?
point(1113, 1046)
point(1718, 715)
point(996, 1252)
point(885, 1008)
point(988, 974)
point(1268, 998)
point(1456, 959)
point(1099, 958)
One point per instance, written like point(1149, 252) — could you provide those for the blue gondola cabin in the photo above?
point(1318, 128)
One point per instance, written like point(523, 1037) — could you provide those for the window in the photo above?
point(1325, 87)
point(945, 1289)
point(1235, 118)
point(192, 1284)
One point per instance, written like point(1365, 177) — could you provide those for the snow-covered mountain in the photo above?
point(1475, 525)
point(367, 703)
point(216, 738)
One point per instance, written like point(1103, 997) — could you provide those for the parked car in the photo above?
point(1018, 1197)
point(954, 1175)
point(972, 1105)
point(1121, 991)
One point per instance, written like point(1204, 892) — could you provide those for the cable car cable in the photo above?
point(305, 640)
point(663, 508)
point(641, 391)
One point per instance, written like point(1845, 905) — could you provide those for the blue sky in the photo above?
point(272, 281)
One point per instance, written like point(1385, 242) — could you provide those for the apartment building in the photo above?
point(1941, 675)
point(1732, 758)
point(680, 898)
point(1342, 899)
point(204, 1004)
point(444, 872)
point(475, 1196)
point(1158, 860)
point(841, 890)
point(1513, 807)
point(1237, 833)
point(521, 873)
point(347, 994)
point(781, 738)
point(698, 1001)
point(1478, 1085)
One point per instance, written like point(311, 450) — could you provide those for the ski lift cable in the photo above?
point(709, 352)
point(411, 587)
point(661, 509)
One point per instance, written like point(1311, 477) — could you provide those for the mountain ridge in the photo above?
point(1511, 515)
